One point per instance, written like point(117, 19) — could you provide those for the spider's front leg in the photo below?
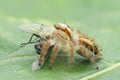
point(82, 51)
point(39, 63)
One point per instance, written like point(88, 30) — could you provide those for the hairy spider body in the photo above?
point(61, 36)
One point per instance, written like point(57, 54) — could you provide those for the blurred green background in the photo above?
point(99, 19)
point(60, 9)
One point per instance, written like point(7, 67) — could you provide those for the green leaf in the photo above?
point(99, 19)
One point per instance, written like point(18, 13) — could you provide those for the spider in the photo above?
point(61, 36)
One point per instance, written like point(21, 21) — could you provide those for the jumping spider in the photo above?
point(61, 36)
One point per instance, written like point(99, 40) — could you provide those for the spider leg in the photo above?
point(87, 55)
point(71, 45)
point(53, 55)
point(39, 63)
point(43, 52)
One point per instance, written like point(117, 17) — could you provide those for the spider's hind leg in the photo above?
point(39, 63)
point(53, 54)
